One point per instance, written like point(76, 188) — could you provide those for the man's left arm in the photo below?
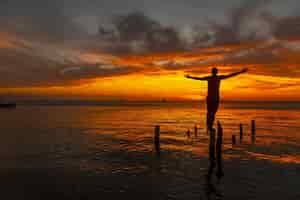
point(234, 74)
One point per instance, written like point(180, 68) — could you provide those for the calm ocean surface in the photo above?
point(117, 141)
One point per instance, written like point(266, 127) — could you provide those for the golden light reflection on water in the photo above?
point(136, 132)
point(130, 129)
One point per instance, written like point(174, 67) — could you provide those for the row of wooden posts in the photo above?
point(253, 135)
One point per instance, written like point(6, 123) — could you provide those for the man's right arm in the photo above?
point(197, 78)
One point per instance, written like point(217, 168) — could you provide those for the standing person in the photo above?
point(213, 93)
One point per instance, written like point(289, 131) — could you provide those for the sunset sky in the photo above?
point(141, 50)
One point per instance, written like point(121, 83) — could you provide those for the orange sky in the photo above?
point(128, 65)
point(161, 76)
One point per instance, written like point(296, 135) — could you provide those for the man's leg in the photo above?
point(209, 120)
point(212, 108)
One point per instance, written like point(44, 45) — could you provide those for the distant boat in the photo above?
point(8, 105)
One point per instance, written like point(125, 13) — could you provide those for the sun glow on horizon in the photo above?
point(169, 86)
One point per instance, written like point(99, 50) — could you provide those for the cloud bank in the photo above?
point(43, 44)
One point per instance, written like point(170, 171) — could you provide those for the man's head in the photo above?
point(214, 71)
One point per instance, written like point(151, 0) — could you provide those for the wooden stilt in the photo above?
point(233, 140)
point(211, 153)
point(188, 133)
point(253, 131)
point(241, 133)
point(157, 138)
point(219, 143)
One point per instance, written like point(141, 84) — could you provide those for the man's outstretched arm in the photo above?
point(197, 78)
point(234, 74)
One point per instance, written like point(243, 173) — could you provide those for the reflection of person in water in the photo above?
point(213, 97)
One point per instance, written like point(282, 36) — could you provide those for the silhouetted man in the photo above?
point(213, 93)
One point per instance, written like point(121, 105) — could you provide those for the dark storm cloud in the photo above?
point(288, 28)
point(238, 28)
point(137, 33)
point(253, 22)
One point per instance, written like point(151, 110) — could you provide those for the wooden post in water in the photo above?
point(233, 140)
point(196, 130)
point(188, 133)
point(157, 138)
point(219, 143)
point(211, 153)
point(253, 131)
point(241, 133)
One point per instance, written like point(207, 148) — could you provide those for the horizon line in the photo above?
point(142, 101)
